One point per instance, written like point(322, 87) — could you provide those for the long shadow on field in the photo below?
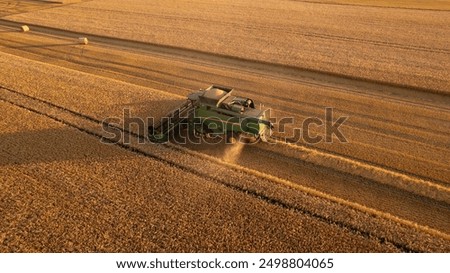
point(9, 31)
point(51, 145)
point(136, 117)
point(69, 144)
point(45, 45)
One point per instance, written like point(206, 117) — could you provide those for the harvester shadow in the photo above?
point(138, 116)
point(52, 145)
point(218, 147)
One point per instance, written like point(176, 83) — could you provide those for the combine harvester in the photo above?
point(215, 112)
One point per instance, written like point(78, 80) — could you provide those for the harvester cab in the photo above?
point(214, 112)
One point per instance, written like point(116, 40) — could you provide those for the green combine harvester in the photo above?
point(215, 112)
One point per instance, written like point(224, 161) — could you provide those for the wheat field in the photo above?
point(67, 186)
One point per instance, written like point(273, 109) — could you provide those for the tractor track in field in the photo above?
point(284, 101)
point(371, 6)
point(322, 82)
point(360, 126)
point(74, 119)
point(421, 197)
point(116, 72)
point(31, 104)
point(314, 35)
point(10, 7)
point(373, 172)
point(212, 58)
point(100, 64)
point(289, 74)
point(407, 179)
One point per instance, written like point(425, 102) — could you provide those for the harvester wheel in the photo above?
point(156, 137)
point(232, 137)
point(198, 130)
point(203, 130)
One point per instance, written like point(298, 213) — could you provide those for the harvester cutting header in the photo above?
point(215, 112)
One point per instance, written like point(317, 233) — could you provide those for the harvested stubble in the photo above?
point(139, 204)
point(407, 4)
point(104, 99)
point(399, 46)
point(94, 179)
point(88, 96)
